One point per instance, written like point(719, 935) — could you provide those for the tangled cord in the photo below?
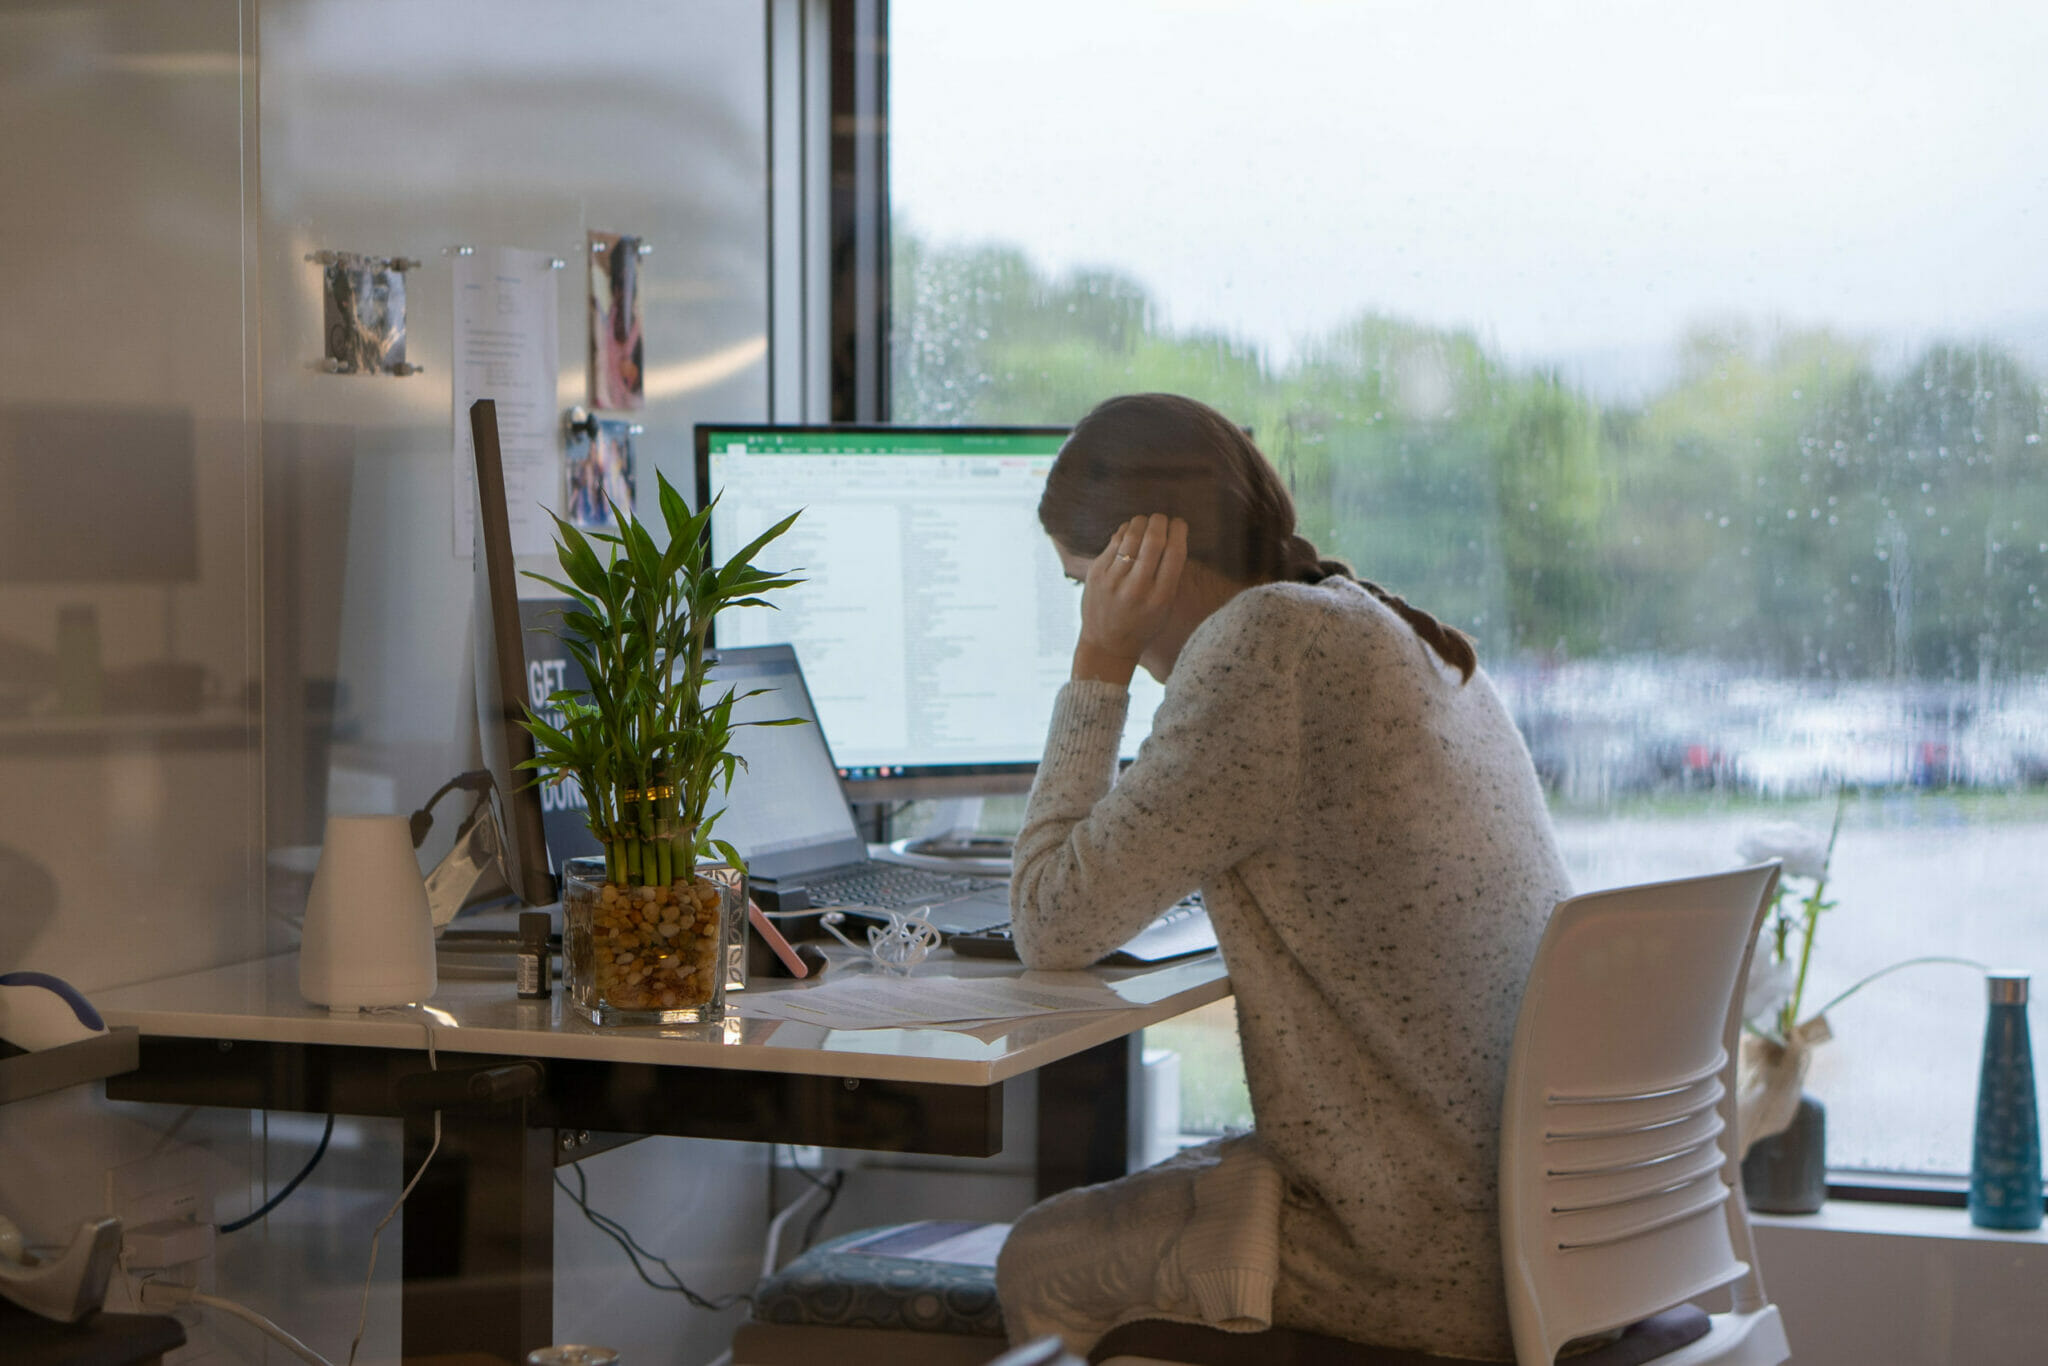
point(619, 1234)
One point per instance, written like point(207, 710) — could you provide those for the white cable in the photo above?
point(166, 1295)
point(363, 1313)
point(771, 1251)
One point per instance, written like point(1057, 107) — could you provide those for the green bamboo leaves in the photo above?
point(648, 749)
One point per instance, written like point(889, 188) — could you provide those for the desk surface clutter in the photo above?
point(1068, 1012)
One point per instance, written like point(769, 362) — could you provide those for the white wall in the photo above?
point(1892, 1285)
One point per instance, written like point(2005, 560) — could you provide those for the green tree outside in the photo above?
point(1783, 504)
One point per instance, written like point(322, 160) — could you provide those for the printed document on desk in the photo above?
point(888, 1002)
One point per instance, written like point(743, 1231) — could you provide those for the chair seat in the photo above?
point(834, 1285)
point(1184, 1344)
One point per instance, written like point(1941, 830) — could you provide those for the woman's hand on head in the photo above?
point(1127, 596)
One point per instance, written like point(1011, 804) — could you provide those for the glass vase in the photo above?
point(648, 955)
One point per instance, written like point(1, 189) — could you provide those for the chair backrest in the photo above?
point(1620, 1175)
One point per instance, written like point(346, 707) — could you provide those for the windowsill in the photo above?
point(1872, 1218)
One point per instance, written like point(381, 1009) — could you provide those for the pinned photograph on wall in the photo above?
point(615, 360)
point(363, 316)
point(600, 473)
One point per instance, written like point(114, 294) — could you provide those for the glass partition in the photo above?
point(130, 760)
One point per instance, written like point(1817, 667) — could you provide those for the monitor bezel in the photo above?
point(500, 673)
point(913, 781)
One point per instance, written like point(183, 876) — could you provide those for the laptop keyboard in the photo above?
point(892, 887)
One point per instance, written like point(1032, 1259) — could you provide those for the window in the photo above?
point(1692, 362)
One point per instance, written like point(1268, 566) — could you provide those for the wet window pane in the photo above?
point(1708, 397)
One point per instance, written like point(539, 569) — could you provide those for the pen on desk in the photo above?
point(765, 927)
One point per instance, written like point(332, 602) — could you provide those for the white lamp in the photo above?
point(369, 937)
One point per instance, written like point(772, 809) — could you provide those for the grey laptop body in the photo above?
point(788, 817)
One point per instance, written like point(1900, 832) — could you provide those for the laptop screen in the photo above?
point(785, 812)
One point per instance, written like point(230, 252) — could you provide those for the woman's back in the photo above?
point(1412, 873)
point(1378, 949)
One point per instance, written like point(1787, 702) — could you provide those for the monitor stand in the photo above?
point(948, 842)
point(950, 833)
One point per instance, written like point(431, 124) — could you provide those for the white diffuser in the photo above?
point(369, 937)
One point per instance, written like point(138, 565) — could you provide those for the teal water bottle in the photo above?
point(2005, 1161)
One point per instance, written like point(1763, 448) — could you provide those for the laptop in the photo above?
point(788, 817)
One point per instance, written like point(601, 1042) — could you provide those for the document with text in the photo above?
point(888, 1002)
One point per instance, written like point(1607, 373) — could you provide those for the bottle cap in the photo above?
point(2008, 988)
point(534, 926)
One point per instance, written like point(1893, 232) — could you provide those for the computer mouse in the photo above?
point(38, 1011)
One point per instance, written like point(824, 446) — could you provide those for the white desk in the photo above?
point(260, 1001)
point(478, 1234)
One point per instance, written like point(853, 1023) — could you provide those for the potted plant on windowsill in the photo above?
point(1782, 1129)
point(644, 926)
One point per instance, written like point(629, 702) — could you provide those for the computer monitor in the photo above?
point(935, 623)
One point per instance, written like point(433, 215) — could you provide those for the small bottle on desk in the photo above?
point(536, 980)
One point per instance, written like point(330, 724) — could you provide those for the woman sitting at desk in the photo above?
point(1361, 815)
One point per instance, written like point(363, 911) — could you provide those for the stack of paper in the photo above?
point(889, 1002)
point(935, 1240)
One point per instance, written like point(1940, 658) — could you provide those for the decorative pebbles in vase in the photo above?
point(647, 955)
point(652, 929)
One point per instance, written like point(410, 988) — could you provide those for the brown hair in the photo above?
point(1146, 453)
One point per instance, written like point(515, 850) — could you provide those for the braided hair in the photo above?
point(1145, 453)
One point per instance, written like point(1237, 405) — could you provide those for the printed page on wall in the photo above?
point(506, 311)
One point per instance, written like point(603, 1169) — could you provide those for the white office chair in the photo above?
point(1620, 1178)
point(1620, 1182)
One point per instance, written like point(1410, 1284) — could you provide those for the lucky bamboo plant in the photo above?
point(649, 750)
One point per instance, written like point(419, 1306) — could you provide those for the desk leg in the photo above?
point(479, 1236)
point(1088, 1122)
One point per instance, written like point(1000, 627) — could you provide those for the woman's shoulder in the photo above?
point(1280, 621)
point(1292, 609)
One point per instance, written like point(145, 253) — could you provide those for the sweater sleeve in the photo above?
point(1096, 862)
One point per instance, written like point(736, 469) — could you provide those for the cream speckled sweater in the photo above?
point(1374, 849)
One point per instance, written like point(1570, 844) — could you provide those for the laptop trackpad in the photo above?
point(971, 913)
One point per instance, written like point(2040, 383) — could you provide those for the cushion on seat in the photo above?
point(1653, 1337)
point(837, 1286)
point(1199, 1345)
